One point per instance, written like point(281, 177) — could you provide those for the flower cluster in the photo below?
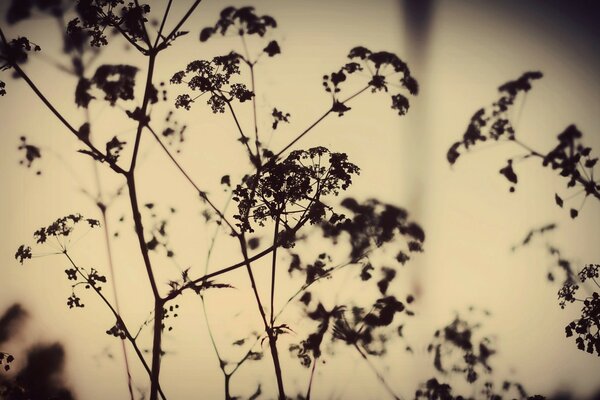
point(311, 346)
point(95, 16)
point(573, 161)
point(113, 149)
point(361, 329)
point(434, 390)
point(589, 271)
point(31, 153)
point(587, 328)
point(12, 53)
point(91, 279)
point(566, 294)
point(174, 131)
point(293, 186)
point(459, 336)
point(21, 10)
point(16, 51)
point(279, 116)
point(117, 330)
point(493, 124)
point(74, 301)
point(116, 81)
point(243, 21)
point(60, 229)
point(212, 77)
point(382, 66)
point(569, 157)
point(374, 223)
point(158, 230)
point(23, 253)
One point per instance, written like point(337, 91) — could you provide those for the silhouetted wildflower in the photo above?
point(243, 21)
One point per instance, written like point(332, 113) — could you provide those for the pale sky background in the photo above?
point(470, 218)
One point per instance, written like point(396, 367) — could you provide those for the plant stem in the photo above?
point(243, 138)
point(273, 270)
point(268, 330)
point(119, 320)
point(321, 118)
point(144, 109)
point(162, 23)
point(253, 88)
point(190, 180)
point(156, 348)
point(580, 179)
point(109, 257)
point(312, 375)
point(158, 302)
point(189, 12)
point(58, 115)
point(301, 135)
point(144, 30)
point(377, 373)
point(227, 394)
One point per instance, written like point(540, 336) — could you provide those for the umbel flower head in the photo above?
point(293, 186)
point(60, 230)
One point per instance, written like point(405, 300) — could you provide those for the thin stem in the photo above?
point(191, 181)
point(139, 228)
point(162, 23)
point(269, 331)
point(246, 52)
point(158, 302)
point(248, 353)
point(273, 270)
point(109, 257)
point(211, 336)
point(590, 186)
point(310, 381)
point(144, 30)
point(145, 101)
point(222, 363)
point(243, 138)
point(317, 279)
point(215, 234)
point(302, 134)
point(321, 118)
point(174, 293)
point(130, 40)
point(58, 115)
point(119, 320)
point(377, 373)
point(253, 88)
point(156, 348)
point(219, 272)
point(189, 12)
point(227, 381)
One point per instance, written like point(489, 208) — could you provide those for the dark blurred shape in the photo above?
point(21, 9)
point(11, 321)
point(417, 19)
point(570, 396)
point(42, 376)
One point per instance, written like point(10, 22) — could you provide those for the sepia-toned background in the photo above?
point(460, 52)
